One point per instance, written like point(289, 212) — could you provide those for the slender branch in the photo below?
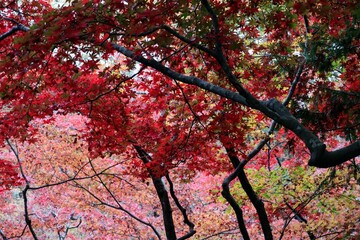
point(104, 185)
point(220, 233)
point(196, 117)
point(331, 233)
point(255, 200)
point(116, 200)
point(318, 191)
point(173, 32)
point(223, 61)
point(188, 41)
point(15, 152)
point(74, 178)
point(294, 84)
point(117, 85)
point(230, 199)
point(118, 207)
point(3, 235)
point(307, 25)
point(215, 23)
point(22, 233)
point(182, 210)
point(301, 219)
point(24, 192)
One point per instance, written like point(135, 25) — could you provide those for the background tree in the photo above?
point(182, 87)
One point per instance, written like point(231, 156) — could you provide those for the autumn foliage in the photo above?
point(132, 119)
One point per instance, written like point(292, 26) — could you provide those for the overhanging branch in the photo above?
point(13, 30)
point(182, 77)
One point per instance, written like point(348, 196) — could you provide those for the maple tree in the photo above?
point(187, 89)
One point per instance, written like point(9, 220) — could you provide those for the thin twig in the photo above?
point(24, 192)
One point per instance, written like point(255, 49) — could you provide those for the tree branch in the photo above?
point(13, 30)
point(255, 200)
point(24, 192)
point(300, 218)
point(230, 199)
point(182, 77)
point(118, 207)
point(162, 195)
point(3, 235)
point(182, 210)
point(278, 112)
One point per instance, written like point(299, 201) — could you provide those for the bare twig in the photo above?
point(24, 192)
point(229, 231)
point(118, 207)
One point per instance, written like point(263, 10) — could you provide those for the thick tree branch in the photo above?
point(13, 30)
point(182, 77)
point(271, 108)
point(320, 157)
point(278, 112)
point(162, 195)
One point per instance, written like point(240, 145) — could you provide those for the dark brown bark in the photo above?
point(272, 108)
point(162, 195)
point(182, 210)
point(235, 206)
point(255, 200)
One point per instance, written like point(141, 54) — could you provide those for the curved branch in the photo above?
point(230, 199)
point(24, 192)
point(162, 195)
point(255, 200)
point(182, 210)
point(13, 30)
point(182, 77)
point(118, 207)
point(278, 112)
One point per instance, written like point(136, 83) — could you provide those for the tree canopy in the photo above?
point(105, 101)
